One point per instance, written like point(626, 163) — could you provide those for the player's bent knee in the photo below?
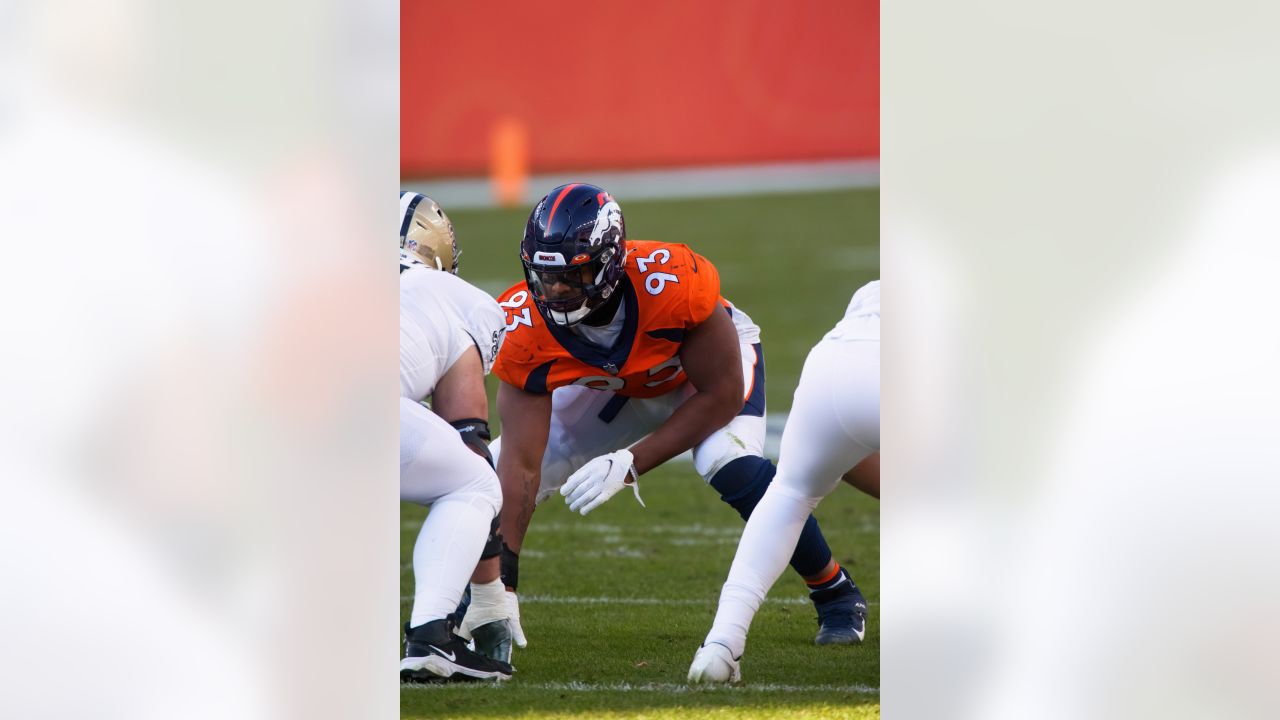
point(801, 497)
point(743, 437)
point(483, 492)
point(716, 454)
point(742, 482)
point(492, 491)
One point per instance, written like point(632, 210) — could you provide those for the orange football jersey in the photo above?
point(668, 289)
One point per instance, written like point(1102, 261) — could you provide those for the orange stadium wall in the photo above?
point(594, 85)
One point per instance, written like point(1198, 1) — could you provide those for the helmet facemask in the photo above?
point(567, 294)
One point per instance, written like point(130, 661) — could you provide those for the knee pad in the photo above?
point(475, 433)
point(492, 546)
point(742, 482)
point(742, 438)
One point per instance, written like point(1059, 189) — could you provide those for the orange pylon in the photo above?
point(508, 161)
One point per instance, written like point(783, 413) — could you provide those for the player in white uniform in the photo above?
point(834, 426)
point(450, 333)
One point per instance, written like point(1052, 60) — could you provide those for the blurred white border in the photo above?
point(1080, 223)
point(201, 511)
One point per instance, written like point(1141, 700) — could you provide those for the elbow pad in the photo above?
point(475, 433)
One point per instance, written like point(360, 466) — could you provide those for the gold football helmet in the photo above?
point(426, 233)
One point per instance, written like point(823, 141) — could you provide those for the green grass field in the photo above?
point(615, 604)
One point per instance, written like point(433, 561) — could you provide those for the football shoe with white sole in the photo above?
point(714, 663)
point(432, 653)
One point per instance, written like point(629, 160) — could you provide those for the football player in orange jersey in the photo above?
point(619, 355)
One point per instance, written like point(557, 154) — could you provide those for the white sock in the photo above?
point(488, 603)
point(763, 553)
point(445, 555)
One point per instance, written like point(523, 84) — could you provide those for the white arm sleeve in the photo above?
point(475, 319)
point(485, 327)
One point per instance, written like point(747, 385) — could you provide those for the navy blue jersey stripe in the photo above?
point(537, 380)
point(615, 356)
point(674, 335)
point(612, 408)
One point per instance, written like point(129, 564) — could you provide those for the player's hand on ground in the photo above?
point(599, 480)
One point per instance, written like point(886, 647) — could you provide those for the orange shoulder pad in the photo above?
point(675, 282)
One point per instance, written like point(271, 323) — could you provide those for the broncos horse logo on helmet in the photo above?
point(426, 233)
point(573, 251)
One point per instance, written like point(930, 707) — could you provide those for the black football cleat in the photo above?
point(432, 653)
point(493, 640)
point(842, 612)
point(455, 618)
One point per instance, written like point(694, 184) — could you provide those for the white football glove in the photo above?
point(599, 480)
point(510, 612)
point(517, 632)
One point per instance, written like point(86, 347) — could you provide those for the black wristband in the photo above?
point(510, 567)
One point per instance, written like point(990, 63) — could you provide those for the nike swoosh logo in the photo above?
point(450, 656)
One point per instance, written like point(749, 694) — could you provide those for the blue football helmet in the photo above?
point(573, 252)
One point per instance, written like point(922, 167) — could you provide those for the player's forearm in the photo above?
point(519, 496)
point(526, 418)
point(691, 423)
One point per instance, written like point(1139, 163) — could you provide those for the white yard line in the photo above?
point(665, 688)
point(695, 529)
point(665, 602)
point(561, 600)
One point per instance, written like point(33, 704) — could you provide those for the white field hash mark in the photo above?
point(694, 534)
point(564, 600)
point(669, 688)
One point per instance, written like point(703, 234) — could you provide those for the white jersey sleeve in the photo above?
point(441, 318)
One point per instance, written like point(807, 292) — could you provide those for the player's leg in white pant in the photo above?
point(834, 423)
point(732, 461)
point(437, 469)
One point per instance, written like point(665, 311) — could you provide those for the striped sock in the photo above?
point(837, 576)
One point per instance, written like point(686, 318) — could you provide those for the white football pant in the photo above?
point(834, 424)
point(438, 469)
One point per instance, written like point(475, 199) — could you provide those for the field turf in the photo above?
point(615, 603)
